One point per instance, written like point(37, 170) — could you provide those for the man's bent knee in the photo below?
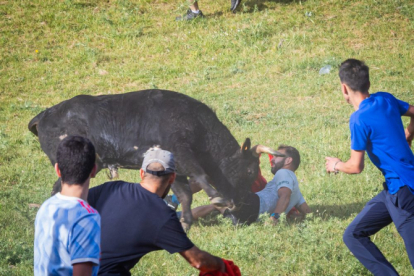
point(349, 236)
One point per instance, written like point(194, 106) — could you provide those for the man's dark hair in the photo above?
point(355, 74)
point(75, 157)
point(294, 153)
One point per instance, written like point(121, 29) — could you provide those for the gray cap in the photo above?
point(163, 157)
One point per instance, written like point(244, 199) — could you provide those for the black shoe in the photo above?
point(190, 15)
point(234, 5)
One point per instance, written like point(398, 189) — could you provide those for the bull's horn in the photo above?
point(232, 207)
point(258, 149)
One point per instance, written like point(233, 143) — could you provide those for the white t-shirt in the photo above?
point(269, 195)
point(67, 231)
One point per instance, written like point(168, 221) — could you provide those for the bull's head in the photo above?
point(242, 168)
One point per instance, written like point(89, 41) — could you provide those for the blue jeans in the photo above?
point(378, 213)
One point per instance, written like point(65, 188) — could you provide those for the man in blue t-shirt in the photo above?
point(67, 229)
point(137, 221)
point(376, 127)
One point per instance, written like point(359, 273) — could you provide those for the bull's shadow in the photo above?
point(341, 211)
point(325, 212)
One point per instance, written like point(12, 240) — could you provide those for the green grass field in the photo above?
point(258, 69)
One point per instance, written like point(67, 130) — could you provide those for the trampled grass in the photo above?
point(258, 69)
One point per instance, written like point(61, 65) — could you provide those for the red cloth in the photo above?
point(231, 270)
point(260, 181)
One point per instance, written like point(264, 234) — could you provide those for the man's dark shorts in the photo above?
point(248, 211)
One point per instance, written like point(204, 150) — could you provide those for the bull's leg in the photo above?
point(196, 173)
point(182, 190)
point(191, 167)
point(113, 172)
point(204, 183)
point(195, 187)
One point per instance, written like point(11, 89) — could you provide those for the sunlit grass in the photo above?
point(258, 69)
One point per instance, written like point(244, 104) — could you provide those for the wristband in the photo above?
point(275, 215)
point(334, 170)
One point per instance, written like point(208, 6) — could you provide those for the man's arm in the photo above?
point(83, 269)
point(203, 261)
point(409, 131)
point(354, 165)
point(283, 202)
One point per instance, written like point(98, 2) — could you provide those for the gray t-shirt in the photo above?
point(269, 195)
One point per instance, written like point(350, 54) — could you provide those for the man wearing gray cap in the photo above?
point(135, 220)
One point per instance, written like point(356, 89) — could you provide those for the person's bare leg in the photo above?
point(202, 211)
point(192, 13)
point(193, 5)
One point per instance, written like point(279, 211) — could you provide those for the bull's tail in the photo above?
point(34, 122)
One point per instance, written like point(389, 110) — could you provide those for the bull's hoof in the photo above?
point(219, 201)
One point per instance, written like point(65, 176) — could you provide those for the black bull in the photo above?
point(123, 126)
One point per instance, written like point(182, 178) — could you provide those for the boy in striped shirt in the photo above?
point(67, 229)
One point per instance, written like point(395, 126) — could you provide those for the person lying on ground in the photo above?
point(280, 195)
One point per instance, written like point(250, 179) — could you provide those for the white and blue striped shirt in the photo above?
point(67, 231)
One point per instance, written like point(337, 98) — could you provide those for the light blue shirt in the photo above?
point(67, 231)
point(269, 195)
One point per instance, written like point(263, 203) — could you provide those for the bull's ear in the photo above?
point(246, 146)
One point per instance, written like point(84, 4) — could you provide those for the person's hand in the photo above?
point(409, 136)
point(330, 164)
